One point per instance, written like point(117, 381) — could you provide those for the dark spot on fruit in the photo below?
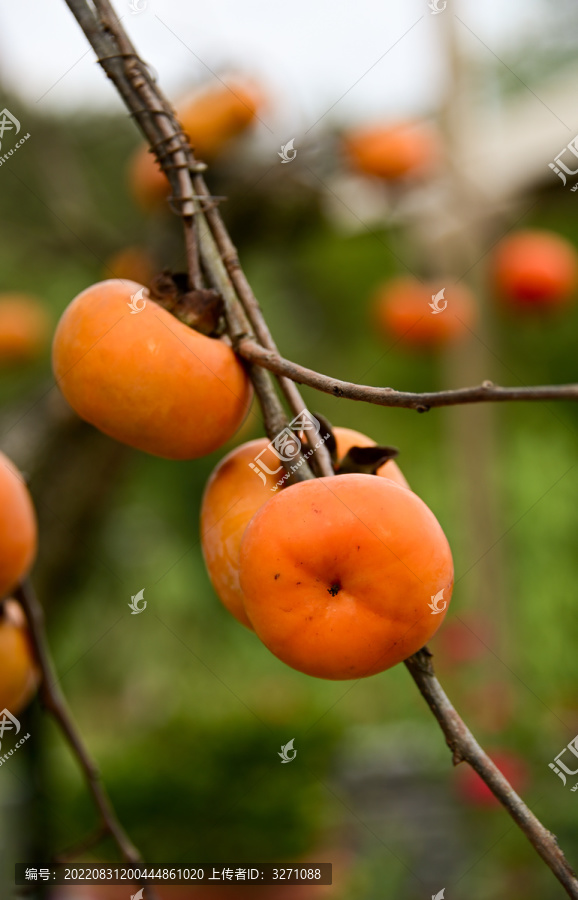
point(277, 575)
point(334, 589)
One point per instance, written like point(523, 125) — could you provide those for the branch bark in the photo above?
point(162, 130)
point(386, 396)
point(55, 702)
point(465, 748)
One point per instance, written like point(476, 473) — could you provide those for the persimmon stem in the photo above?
point(55, 703)
point(465, 748)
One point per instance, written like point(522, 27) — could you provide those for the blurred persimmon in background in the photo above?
point(131, 263)
point(393, 151)
point(422, 315)
point(535, 270)
point(24, 328)
point(211, 119)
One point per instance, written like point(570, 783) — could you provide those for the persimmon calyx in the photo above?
point(202, 309)
point(365, 460)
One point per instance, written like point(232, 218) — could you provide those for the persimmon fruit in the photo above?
point(131, 263)
point(18, 531)
point(402, 310)
point(211, 119)
point(24, 328)
point(233, 495)
point(338, 573)
point(535, 270)
point(145, 378)
point(19, 672)
point(393, 152)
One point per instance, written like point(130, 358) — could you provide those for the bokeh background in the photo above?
point(184, 709)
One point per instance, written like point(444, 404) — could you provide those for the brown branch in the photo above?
point(465, 748)
point(385, 396)
point(54, 701)
point(254, 313)
point(158, 122)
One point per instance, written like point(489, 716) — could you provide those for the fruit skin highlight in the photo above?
point(19, 672)
point(145, 378)
point(234, 493)
point(535, 270)
point(18, 530)
point(337, 574)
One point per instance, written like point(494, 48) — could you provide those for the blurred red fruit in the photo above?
point(393, 151)
point(475, 792)
point(464, 639)
point(417, 316)
point(535, 270)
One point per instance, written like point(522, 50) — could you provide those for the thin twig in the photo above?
point(465, 748)
point(386, 396)
point(55, 702)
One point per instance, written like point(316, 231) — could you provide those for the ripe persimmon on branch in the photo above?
point(213, 264)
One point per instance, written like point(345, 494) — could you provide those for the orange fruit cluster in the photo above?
point(335, 575)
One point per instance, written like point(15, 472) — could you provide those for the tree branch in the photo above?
point(385, 396)
point(161, 128)
point(465, 748)
point(55, 702)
